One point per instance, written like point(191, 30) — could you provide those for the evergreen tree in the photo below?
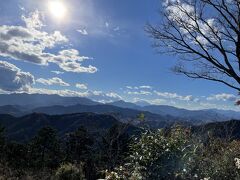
point(45, 149)
point(114, 145)
point(2, 142)
point(79, 150)
point(78, 145)
point(16, 155)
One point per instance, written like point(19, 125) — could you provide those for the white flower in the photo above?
point(237, 162)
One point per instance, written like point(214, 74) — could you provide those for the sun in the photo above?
point(57, 8)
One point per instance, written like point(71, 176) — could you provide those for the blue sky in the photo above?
point(112, 55)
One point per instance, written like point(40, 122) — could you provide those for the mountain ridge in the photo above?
point(37, 100)
point(23, 103)
point(24, 128)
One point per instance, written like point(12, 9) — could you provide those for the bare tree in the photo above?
point(205, 34)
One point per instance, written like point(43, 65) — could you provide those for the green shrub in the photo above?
point(177, 153)
point(69, 172)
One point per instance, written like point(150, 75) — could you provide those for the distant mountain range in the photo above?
point(24, 128)
point(24, 114)
point(207, 115)
point(22, 104)
point(124, 115)
point(37, 100)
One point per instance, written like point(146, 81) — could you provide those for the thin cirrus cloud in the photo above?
point(82, 31)
point(30, 44)
point(14, 79)
point(52, 81)
point(148, 90)
point(139, 87)
point(57, 72)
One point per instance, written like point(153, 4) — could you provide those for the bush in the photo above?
point(179, 154)
point(70, 172)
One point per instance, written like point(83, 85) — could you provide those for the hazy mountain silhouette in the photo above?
point(22, 104)
point(37, 100)
point(206, 115)
point(24, 128)
point(123, 114)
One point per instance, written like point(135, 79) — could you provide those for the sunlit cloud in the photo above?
point(14, 79)
point(30, 44)
point(175, 96)
point(52, 81)
point(81, 86)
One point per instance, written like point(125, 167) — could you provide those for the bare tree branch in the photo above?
point(205, 34)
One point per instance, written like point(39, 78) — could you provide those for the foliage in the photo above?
point(78, 155)
point(216, 160)
point(114, 146)
point(45, 149)
point(170, 153)
point(2, 142)
point(78, 145)
point(158, 154)
point(177, 153)
point(70, 172)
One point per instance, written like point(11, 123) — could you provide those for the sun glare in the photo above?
point(57, 9)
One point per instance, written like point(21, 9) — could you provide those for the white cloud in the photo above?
point(21, 8)
point(106, 24)
point(176, 96)
point(30, 44)
point(145, 87)
point(222, 97)
point(207, 105)
point(139, 93)
point(129, 87)
point(34, 20)
point(69, 60)
point(132, 87)
point(82, 31)
point(57, 72)
point(13, 79)
point(116, 28)
point(62, 92)
point(52, 81)
point(94, 95)
point(81, 86)
point(139, 87)
point(114, 95)
point(150, 101)
point(184, 15)
point(157, 101)
point(104, 97)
